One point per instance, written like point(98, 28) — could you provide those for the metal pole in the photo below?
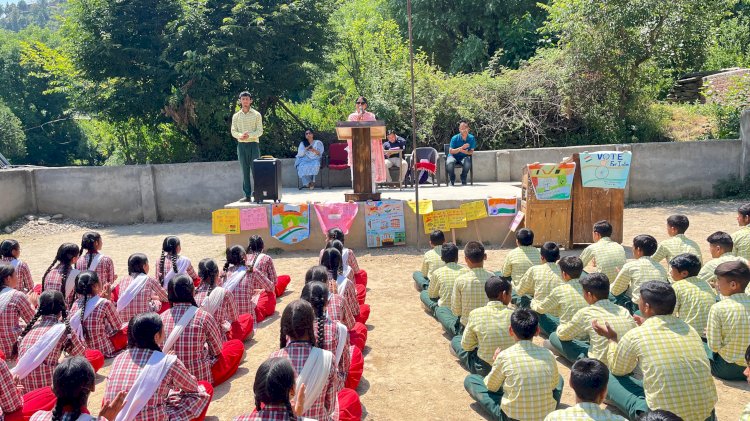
point(413, 127)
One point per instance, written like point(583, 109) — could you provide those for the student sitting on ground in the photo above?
point(600, 309)
point(588, 378)
point(524, 383)
point(608, 257)
point(95, 261)
point(468, 291)
point(677, 243)
point(431, 261)
point(220, 303)
point(523, 257)
point(728, 329)
point(138, 293)
point(539, 280)
point(10, 253)
point(350, 260)
point(694, 296)
point(746, 412)
point(94, 319)
point(626, 286)
point(264, 263)
point(16, 406)
point(741, 237)
point(721, 247)
point(676, 372)
point(486, 330)
point(14, 307)
point(277, 396)
point(63, 276)
point(565, 300)
point(440, 289)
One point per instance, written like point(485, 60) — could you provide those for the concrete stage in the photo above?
point(492, 230)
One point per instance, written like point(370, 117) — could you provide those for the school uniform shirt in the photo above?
point(249, 122)
point(676, 372)
point(349, 295)
point(54, 282)
point(539, 281)
point(468, 292)
point(268, 413)
point(707, 271)
point(141, 303)
point(583, 411)
point(18, 308)
point(244, 291)
point(23, 274)
point(528, 375)
point(602, 311)
point(42, 375)
point(190, 271)
point(330, 343)
point(728, 330)
point(186, 403)
point(263, 264)
point(199, 344)
point(100, 325)
point(227, 312)
point(563, 302)
point(105, 269)
point(609, 257)
point(10, 395)
point(745, 416)
point(741, 239)
point(674, 246)
point(351, 261)
point(694, 300)
point(47, 416)
point(338, 312)
point(519, 260)
point(324, 406)
point(487, 330)
point(442, 281)
point(634, 274)
point(432, 260)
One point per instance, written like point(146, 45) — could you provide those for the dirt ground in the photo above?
point(409, 371)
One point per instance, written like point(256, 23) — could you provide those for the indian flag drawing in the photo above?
point(501, 206)
point(290, 224)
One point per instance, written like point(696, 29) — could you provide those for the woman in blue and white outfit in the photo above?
point(309, 155)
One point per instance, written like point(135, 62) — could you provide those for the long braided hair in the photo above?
point(316, 293)
point(208, 270)
point(181, 290)
point(85, 282)
point(168, 249)
point(274, 380)
point(65, 255)
point(6, 272)
point(333, 261)
point(50, 303)
point(297, 322)
point(88, 243)
point(235, 256)
point(7, 247)
point(72, 382)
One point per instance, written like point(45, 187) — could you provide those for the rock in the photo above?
point(42, 222)
point(8, 230)
point(30, 217)
point(57, 216)
point(44, 218)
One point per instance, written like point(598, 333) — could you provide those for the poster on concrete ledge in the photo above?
point(225, 221)
point(384, 223)
point(552, 181)
point(336, 215)
point(605, 169)
point(502, 206)
point(290, 224)
point(255, 218)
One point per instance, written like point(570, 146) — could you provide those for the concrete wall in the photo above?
point(16, 194)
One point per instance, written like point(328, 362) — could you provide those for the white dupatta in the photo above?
point(15, 262)
point(6, 294)
point(76, 322)
point(182, 265)
point(341, 283)
point(134, 287)
point(179, 327)
point(211, 303)
point(38, 352)
point(314, 375)
point(343, 333)
point(145, 385)
point(70, 282)
point(97, 257)
point(345, 259)
point(258, 259)
point(235, 279)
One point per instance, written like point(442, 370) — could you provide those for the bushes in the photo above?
point(732, 187)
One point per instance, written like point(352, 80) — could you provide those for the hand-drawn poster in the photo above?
point(225, 221)
point(384, 223)
point(605, 169)
point(501, 206)
point(290, 224)
point(437, 220)
point(336, 215)
point(474, 210)
point(456, 218)
point(552, 181)
point(425, 206)
point(516, 222)
point(255, 218)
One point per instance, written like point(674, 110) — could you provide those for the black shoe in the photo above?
point(463, 182)
point(244, 199)
point(453, 183)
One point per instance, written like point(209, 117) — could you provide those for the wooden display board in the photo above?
point(549, 219)
point(591, 205)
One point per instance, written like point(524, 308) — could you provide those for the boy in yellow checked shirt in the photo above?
point(677, 243)
point(625, 287)
point(523, 257)
point(440, 289)
point(600, 309)
point(742, 236)
point(721, 246)
point(694, 296)
point(468, 291)
point(745, 416)
point(486, 330)
point(607, 256)
point(539, 280)
point(564, 300)
point(676, 372)
point(524, 383)
point(728, 330)
point(588, 378)
point(432, 260)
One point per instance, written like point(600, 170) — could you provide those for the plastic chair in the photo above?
point(338, 159)
point(423, 154)
point(446, 148)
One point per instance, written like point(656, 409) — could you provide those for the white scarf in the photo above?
point(179, 327)
point(70, 281)
point(182, 265)
point(6, 294)
point(76, 323)
point(211, 303)
point(345, 258)
point(235, 279)
point(134, 287)
point(38, 352)
point(15, 262)
point(341, 283)
point(258, 259)
point(145, 385)
point(314, 375)
point(95, 262)
point(343, 333)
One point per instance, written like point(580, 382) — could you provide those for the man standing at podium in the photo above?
point(376, 156)
point(460, 150)
point(247, 127)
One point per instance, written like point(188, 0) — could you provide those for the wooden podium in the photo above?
point(361, 133)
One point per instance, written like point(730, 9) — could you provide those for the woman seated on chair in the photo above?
point(309, 155)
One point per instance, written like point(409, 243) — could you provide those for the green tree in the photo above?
point(12, 138)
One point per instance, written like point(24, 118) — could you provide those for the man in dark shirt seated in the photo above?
point(392, 159)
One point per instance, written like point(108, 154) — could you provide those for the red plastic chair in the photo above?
point(338, 159)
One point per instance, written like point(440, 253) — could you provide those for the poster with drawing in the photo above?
point(605, 169)
point(552, 181)
point(384, 223)
point(290, 224)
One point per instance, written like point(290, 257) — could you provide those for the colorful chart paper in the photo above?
point(501, 206)
point(474, 210)
point(437, 220)
point(290, 224)
point(255, 218)
point(384, 223)
point(225, 221)
point(336, 215)
point(456, 218)
point(552, 181)
point(517, 221)
point(425, 206)
point(605, 169)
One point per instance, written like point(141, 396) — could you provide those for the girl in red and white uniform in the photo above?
point(357, 291)
point(63, 276)
point(274, 389)
point(14, 306)
point(220, 303)
point(264, 263)
point(171, 264)
point(95, 261)
point(253, 291)
point(94, 319)
point(10, 252)
point(138, 293)
point(350, 260)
